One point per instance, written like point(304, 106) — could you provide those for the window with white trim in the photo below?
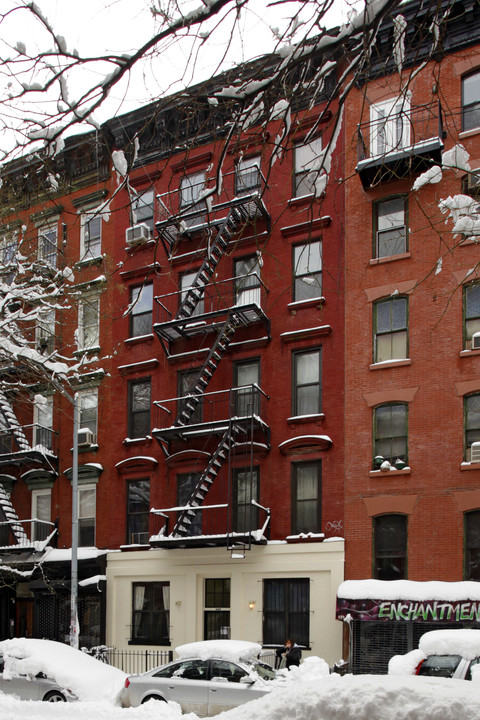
point(307, 270)
point(41, 513)
point(89, 322)
point(87, 501)
point(43, 421)
point(390, 125)
point(88, 409)
point(247, 175)
point(45, 331)
point(143, 209)
point(307, 160)
point(390, 227)
point(91, 236)
point(47, 244)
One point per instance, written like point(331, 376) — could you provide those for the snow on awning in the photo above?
point(406, 600)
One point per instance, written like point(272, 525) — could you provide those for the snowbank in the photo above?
point(225, 649)
point(85, 677)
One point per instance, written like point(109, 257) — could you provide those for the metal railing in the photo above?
point(215, 297)
point(248, 523)
point(245, 401)
point(401, 130)
point(29, 438)
point(25, 533)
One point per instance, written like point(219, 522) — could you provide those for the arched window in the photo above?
point(390, 547)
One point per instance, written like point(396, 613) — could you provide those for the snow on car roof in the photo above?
point(232, 650)
point(86, 677)
point(451, 642)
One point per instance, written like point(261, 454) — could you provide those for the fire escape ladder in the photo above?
point(218, 350)
point(12, 423)
point(11, 517)
point(236, 217)
point(187, 516)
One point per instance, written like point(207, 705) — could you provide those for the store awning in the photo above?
point(409, 601)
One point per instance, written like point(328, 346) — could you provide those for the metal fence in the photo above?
point(134, 662)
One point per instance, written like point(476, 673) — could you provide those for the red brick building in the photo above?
point(412, 474)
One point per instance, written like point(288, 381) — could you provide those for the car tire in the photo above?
point(54, 696)
point(153, 697)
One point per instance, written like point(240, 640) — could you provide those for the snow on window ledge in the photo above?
point(310, 302)
point(389, 363)
point(139, 339)
point(468, 353)
point(136, 441)
point(300, 419)
point(469, 465)
point(391, 472)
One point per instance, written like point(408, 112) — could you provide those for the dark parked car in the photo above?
point(441, 653)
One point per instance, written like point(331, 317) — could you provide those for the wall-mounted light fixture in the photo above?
point(251, 604)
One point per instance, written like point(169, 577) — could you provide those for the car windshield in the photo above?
point(264, 671)
point(439, 665)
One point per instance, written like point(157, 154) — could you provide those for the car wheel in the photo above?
point(54, 696)
point(153, 697)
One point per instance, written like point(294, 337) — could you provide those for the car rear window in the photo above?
point(439, 665)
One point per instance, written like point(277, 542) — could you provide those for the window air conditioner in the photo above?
point(85, 437)
point(475, 452)
point(137, 233)
point(476, 341)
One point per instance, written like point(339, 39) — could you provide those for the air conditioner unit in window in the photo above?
point(476, 341)
point(137, 233)
point(475, 452)
point(85, 437)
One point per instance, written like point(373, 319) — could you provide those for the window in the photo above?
point(139, 395)
point(41, 514)
point(307, 159)
point(47, 245)
point(91, 236)
point(216, 616)
point(247, 176)
point(88, 408)
point(286, 611)
point(141, 303)
point(86, 515)
point(245, 490)
point(472, 545)
point(471, 309)
point(390, 232)
point(471, 423)
point(390, 547)
point(43, 421)
point(390, 329)
point(390, 125)
point(151, 613)
point(8, 255)
point(186, 384)
point(186, 282)
point(307, 391)
point(306, 497)
point(247, 398)
point(307, 270)
point(471, 101)
point(143, 209)
point(390, 434)
point(247, 281)
point(138, 511)
point(89, 323)
point(45, 331)
point(186, 484)
point(191, 187)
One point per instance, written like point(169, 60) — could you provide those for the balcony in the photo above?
point(213, 525)
point(31, 535)
point(240, 295)
point(24, 444)
point(400, 141)
point(184, 215)
point(245, 407)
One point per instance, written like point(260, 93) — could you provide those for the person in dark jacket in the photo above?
point(291, 652)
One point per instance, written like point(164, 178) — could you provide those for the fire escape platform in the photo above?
point(188, 327)
point(221, 540)
point(214, 427)
point(30, 456)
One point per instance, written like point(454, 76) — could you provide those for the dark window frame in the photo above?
point(158, 639)
point(391, 331)
point(247, 397)
point(471, 550)
point(245, 515)
point(376, 438)
point(295, 468)
point(281, 616)
point(296, 385)
point(467, 108)
point(215, 610)
point(134, 516)
point(470, 318)
point(134, 414)
point(299, 277)
point(376, 207)
point(471, 431)
point(392, 553)
point(138, 316)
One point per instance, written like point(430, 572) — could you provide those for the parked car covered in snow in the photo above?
point(441, 653)
point(208, 678)
point(47, 670)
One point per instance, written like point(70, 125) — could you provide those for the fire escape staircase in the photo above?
point(11, 518)
point(187, 516)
